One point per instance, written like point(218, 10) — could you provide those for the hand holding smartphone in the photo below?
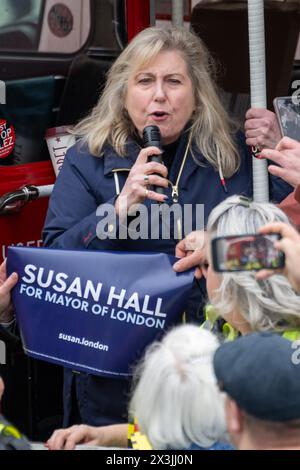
point(287, 109)
point(246, 253)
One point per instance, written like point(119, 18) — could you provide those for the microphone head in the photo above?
point(151, 136)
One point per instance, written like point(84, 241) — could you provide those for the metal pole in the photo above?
point(138, 16)
point(152, 13)
point(177, 12)
point(258, 89)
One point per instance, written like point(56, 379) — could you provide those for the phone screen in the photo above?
point(246, 253)
point(287, 109)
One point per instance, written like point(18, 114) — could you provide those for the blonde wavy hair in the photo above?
point(211, 128)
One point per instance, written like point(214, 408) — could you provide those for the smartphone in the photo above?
point(287, 109)
point(246, 253)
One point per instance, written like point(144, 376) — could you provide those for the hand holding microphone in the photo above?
point(147, 178)
point(152, 138)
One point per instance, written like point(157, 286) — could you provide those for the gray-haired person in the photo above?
point(176, 400)
point(246, 303)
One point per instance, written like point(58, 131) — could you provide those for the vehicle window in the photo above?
point(66, 26)
point(109, 30)
point(46, 26)
point(19, 24)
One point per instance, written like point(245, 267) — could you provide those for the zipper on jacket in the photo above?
point(175, 187)
point(175, 193)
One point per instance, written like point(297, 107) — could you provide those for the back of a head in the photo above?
point(266, 305)
point(261, 373)
point(238, 214)
point(176, 400)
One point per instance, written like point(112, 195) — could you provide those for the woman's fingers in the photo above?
point(192, 253)
point(79, 435)
point(153, 167)
point(7, 285)
point(145, 153)
point(284, 174)
point(142, 175)
point(58, 439)
point(6, 313)
point(284, 229)
point(261, 128)
point(3, 274)
point(274, 155)
point(152, 195)
point(153, 180)
point(286, 143)
point(290, 245)
point(68, 438)
point(192, 259)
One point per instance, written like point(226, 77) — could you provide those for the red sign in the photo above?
point(7, 139)
point(24, 228)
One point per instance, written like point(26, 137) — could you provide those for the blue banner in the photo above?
point(95, 311)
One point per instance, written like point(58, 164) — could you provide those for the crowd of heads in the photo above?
point(179, 398)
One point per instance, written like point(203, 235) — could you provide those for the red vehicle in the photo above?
point(53, 60)
point(48, 52)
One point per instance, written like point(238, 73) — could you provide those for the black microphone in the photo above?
point(152, 138)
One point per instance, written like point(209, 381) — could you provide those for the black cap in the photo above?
point(261, 373)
